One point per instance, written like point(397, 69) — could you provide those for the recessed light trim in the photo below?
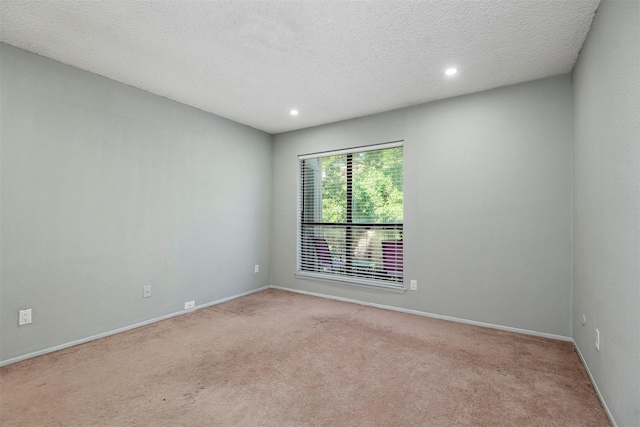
point(293, 112)
point(451, 71)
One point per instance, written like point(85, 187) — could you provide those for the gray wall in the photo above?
point(606, 85)
point(106, 188)
point(487, 204)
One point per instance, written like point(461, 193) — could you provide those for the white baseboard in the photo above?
point(124, 328)
point(434, 316)
point(595, 385)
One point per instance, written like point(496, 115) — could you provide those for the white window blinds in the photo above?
point(350, 216)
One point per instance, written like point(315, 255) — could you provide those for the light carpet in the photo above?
point(277, 358)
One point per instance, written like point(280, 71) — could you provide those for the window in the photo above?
point(350, 216)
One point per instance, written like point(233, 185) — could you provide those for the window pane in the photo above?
point(377, 186)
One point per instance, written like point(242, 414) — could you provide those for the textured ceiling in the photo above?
point(253, 61)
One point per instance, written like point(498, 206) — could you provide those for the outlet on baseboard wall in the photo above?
point(189, 304)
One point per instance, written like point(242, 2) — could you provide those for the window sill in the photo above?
point(353, 281)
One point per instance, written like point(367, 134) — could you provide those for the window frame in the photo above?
point(347, 279)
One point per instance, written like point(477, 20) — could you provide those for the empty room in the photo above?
point(320, 213)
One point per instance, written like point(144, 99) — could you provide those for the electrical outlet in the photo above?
point(146, 293)
point(189, 304)
point(24, 317)
point(256, 268)
point(597, 340)
point(414, 285)
point(584, 320)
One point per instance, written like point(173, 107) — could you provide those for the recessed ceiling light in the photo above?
point(293, 112)
point(451, 71)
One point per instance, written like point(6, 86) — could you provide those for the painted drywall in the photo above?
point(106, 188)
point(606, 84)
point(487, 204)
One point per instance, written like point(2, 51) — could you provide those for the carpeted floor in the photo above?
point(277, 358)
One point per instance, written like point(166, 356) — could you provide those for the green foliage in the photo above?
point(334, 189)
point(377, 187)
